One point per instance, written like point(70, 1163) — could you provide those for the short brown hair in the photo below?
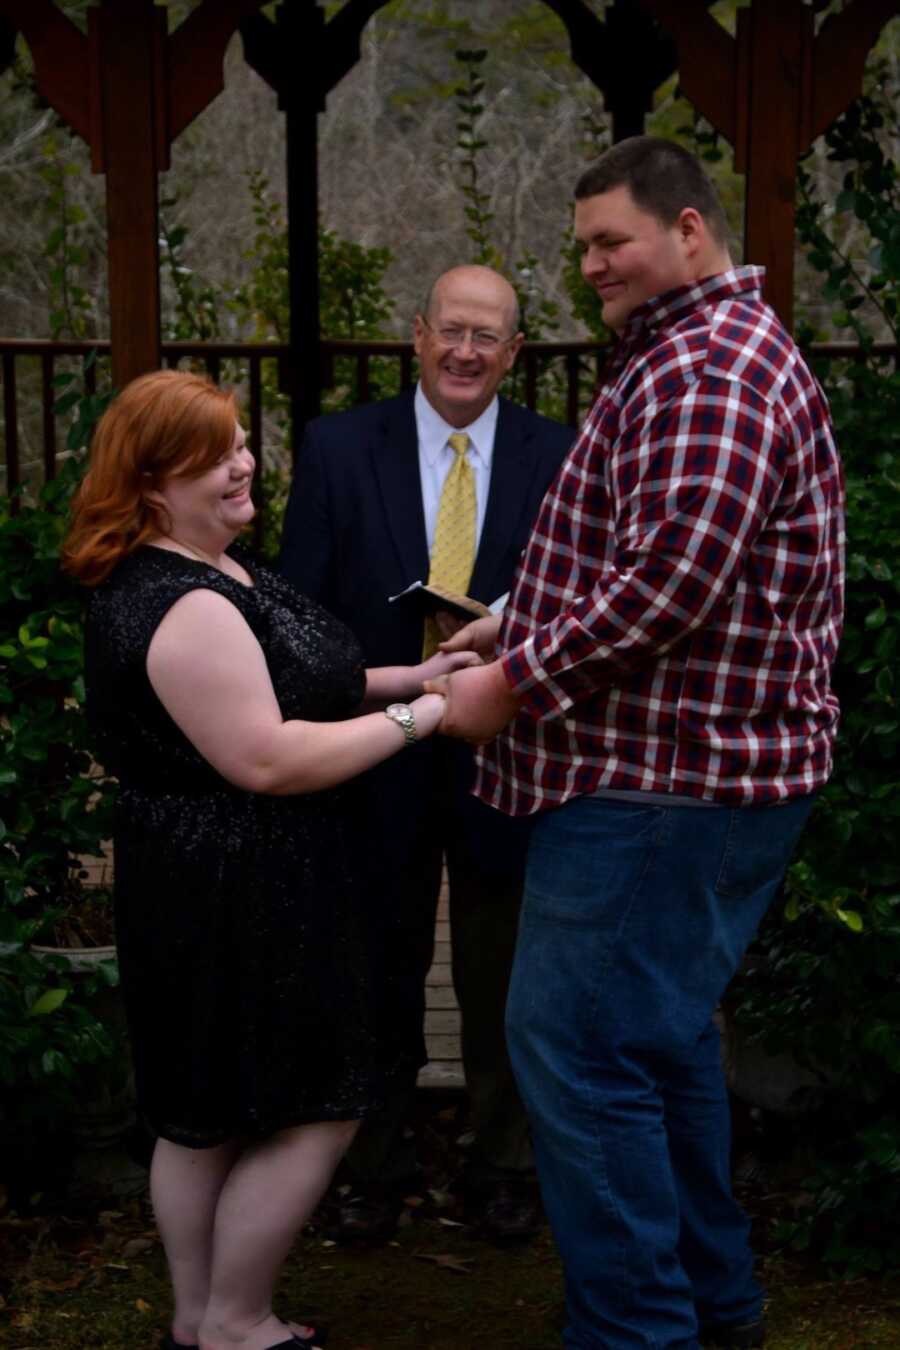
point(162, 425)
point(662, 177)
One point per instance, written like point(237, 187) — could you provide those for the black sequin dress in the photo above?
point(241, 923)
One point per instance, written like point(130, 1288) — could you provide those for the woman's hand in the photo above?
point(386, 684)
point(478, 636)
point(443, 663)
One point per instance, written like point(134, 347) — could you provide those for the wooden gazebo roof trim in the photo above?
point(129, 88)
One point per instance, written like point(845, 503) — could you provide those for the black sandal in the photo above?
point(318, 1338)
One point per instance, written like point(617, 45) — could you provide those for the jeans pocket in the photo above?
point(585, 863)
point(758, 845)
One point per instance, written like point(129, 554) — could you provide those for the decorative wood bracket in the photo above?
point(707, 61)
point(187, 66)
point(839, 59)
point(329, 50)
point(59, 50)
point(597, 45)
point(770, 91)
point(821, 75)
point(196, 58)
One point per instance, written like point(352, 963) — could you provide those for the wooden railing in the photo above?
point(31, 428)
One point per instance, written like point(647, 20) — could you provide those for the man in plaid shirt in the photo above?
point(662, 699)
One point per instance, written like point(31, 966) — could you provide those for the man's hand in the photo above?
point(478, 636)
point(479, 702)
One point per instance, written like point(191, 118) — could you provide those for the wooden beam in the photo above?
point(596, 47)
point(59, 51)
point(707, 59)
point(264, 54)
point(129, 111)
point(588, 44)
point(196, 56)
point(337, 47)
point(342, 40)
point(839, 58)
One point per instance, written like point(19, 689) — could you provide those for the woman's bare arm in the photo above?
point(210, 674)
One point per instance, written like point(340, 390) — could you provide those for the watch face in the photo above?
point(398, 710)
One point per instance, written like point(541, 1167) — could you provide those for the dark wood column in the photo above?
point(127, 44)
point(300, 39)
point(775, 41)
point(274, 51)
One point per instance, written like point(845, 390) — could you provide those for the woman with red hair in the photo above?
point(225, 703)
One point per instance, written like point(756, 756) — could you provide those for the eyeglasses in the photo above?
point(455, 337)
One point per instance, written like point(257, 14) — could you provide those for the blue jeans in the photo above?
point(633, 922)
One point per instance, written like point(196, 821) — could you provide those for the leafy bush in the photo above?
point(828, 988)
point(55, 804)
point(353, 303)
point(54, 808)
point(48, 1034)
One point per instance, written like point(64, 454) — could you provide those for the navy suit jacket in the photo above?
point(354, 533)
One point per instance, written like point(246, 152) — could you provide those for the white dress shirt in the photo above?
point(436, 458)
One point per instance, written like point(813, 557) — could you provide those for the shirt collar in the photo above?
point(673, 305)
point(433, 430)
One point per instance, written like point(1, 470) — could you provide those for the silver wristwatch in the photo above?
point(402, 714)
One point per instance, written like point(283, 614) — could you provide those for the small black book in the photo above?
point(429, 599)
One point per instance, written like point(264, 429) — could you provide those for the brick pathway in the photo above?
point(444, 1067)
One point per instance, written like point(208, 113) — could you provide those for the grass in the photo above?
point(100, 1283)
point(97, 1281)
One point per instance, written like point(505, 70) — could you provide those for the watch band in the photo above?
point(402, 714)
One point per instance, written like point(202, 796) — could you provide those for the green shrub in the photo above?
point(55, 805)
point(828, 987)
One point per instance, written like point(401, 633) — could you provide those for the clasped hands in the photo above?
point(478, 701)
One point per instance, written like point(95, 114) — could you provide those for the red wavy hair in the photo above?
point(163, 425)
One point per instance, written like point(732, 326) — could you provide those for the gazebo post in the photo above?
point(270, 48)
point(770, 135)
point(301, 28)
point(330, 51)
point(128, 134)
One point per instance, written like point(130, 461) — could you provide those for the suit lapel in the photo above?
point(512, 469)
point(395, 459)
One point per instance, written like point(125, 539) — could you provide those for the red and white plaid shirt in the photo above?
point(676, 613)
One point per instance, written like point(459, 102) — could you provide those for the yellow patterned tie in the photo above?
point(453, 552)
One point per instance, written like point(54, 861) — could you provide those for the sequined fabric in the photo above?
point(241, 924)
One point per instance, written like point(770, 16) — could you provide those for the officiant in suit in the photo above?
point(438, 485)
